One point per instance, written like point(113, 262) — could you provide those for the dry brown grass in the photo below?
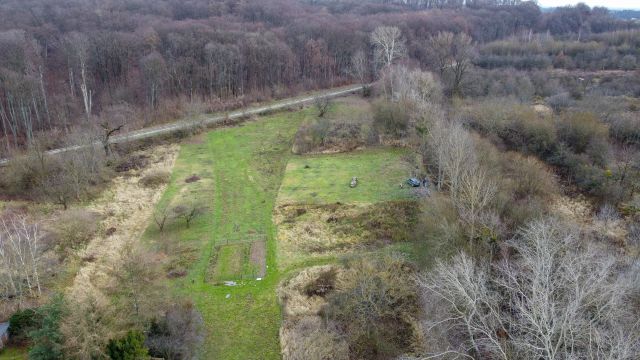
point(293, 295)
point(155, 178)
point(580, 211)
point(304, 334)
point(362, 309)
point(308, 338)
point(127, 207)
point(330, 230)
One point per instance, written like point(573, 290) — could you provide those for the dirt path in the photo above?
point(126, 207)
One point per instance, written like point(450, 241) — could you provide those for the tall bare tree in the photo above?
point(359, 68)
point(453, 151)
point(451, 55)
point(20, 256)
point(557, 298)
point(475, 192)
point(389, 45)
point(77, 47)
point(154, 69)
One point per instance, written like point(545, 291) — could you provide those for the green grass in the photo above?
point(240, 169)
point(324, 179)
point(13, 353)
point(232, 262)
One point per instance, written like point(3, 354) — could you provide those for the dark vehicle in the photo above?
point(413, 182)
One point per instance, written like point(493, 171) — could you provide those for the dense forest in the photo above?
point(68, 63)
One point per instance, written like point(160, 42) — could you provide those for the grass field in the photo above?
point(235, 262)
point(240, 169)
point(320, 217)
point(14, 354)
point(324, 179)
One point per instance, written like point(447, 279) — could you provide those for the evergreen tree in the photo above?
point(46, 339)
point(130, 347)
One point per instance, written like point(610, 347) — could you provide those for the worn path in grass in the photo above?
point(240, 170)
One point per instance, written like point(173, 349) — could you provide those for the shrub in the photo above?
point(579, 129)
point(531, 133)
point(21, 323)
point(129, 347)
point(47, 340)
point(559, 102)
point(441, 234)
point(24, 174)
point(322, 105)
point(322, 285)
point(628, 62)
point(374, 301)
point(177, 334)
point(60, 179)
point(598, 151)
point(589, 178)
point(155, 178)
point(74, 228)
point(391, 118)
point(311, 136)
point(530, 177)
point(518, 126)
point(625, 129)
point(188, 212)
point(132, 162)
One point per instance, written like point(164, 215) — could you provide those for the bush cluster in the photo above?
point(374, 302)
point(391, 118)
point(575, 142)
point(601, 52)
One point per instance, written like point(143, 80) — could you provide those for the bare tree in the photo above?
point(188, 212)
point(415, 86)
point(154, 69)
point(20, 257)
point(160, 217)
point(74, 171)
point(58, 189)
point(136, 288)
point(388, 44)
point(108, 132)
point(87, 329)
point(556, 299)
point(177, 334)
point(453, 151)
point(77, 49)
point(322, 105)
point(475, 192)
point(451, 55)
point(359, 68)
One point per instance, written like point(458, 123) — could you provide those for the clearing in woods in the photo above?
point(324, 179)
point(320, 217)
point(235, 174)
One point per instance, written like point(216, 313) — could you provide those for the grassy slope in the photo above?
point(326, 180)
point(240, 169)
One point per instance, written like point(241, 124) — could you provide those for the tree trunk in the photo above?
point(44, 97)
point(86, 92)
point(3, 116)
